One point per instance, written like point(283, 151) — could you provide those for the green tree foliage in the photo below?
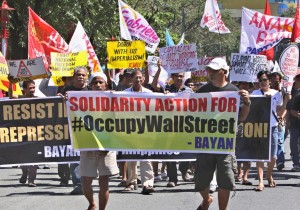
point(100, 20)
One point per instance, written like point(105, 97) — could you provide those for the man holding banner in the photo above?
point(206, 164)
point(28, 171)
point(147, 176)
point(94, 163)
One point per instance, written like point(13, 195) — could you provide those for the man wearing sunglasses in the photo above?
point(206, 164)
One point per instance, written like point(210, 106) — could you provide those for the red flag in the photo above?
point(296, 28)
point(43, 39)
point(270, 52)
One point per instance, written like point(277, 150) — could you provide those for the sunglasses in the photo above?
point(263, 80)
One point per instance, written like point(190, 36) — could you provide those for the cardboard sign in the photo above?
point(126, 54)
point(182, 58)
point(30, 69)
point(63, 64)
point(244, 67)
point(288, 63)
point(3, 67)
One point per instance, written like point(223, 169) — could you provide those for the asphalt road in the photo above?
point(48, 195)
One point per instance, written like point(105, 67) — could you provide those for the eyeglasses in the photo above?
point(263, 80)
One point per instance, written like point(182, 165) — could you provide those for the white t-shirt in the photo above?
point(276, 101)
point(144, 90)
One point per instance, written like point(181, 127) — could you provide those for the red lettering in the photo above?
point(232, 105)
point(254, 20)
point(261, 36)
point(169, 105)
point(159, 105)
point(83, 104)
point(114, 105)
point(73, 102)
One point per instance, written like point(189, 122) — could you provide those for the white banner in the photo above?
point(133, 26)
point(182, 58)
point(32, 68)
point(260, 32)
point(79, 42)
point(212, 18)
point(288, 63)
point(244, 68)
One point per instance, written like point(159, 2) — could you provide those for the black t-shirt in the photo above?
point(72, 88)
point(294, 104)
point(209, 87)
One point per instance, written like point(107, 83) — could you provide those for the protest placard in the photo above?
point(187, 123)
point(152, 65)
point(254, 134)
point(34, 131)
point(260, 32)
point(244, 67)
point(3, 67)
point(288, 63)
point(181, 58)
point(30, 69)
point(126, 54)
point(63, 64)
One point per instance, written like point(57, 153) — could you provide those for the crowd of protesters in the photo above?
point(211, 171)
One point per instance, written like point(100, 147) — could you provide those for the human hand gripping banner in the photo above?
point(183, 122)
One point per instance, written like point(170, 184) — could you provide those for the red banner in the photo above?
point(296, 28)
point(43, 39)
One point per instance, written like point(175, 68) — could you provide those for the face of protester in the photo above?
point(215, 75)
point(30, 90)
point(275, 82)
point(244, 86)
point(98, 83)
point(190, 85)
point(178, 79)
point(264, 82)
point(79, 78)
point(137, 79)
point(297, 84)
point(127, 80)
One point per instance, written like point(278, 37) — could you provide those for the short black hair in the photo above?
point(276, 74)
point(26, 83)
point(189, 80)
point(267, 73)
point(135, 72)
point(297, 77)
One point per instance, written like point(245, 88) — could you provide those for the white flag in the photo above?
point(260, 32)
point(212, 18)
point(80, 41)
point(181, 41)
point(133, 26)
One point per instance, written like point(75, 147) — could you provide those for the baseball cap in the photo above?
point(128, 71)
point(217, 64)
point(97, 74)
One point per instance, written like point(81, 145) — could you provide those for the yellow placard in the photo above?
point(63, 64)
point(126, 54)
point(3, 67)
